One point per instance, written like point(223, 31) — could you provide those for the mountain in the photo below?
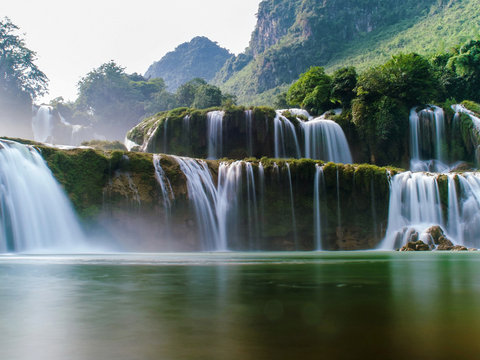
point(292, 35)
point(199, 58)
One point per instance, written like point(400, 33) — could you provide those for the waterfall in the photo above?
point(203, 194)
point(292, 206)
point(36, 215)
point(249, 131)
point(227, 210)
point(325, 140)
point(215, 134)
point(42, 124)
point(427, 140)
point(285, 137)
point(318, 190)
point(414, 206)
point(165, 138)
point(165, 186)
point(252, 207)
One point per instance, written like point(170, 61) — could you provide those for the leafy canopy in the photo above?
point(18, 72)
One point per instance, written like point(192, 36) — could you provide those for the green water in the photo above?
point(241, 306)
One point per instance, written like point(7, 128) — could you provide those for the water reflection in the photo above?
point(257, 306)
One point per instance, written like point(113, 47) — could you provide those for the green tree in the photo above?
point(344, 82)
point(186, 93)
point(18, 72)
point(311, 91)
point(207, 96)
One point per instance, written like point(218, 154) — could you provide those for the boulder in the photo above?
point(418, 245)
point(459, 248)
point(435, 232)
point(444, 244)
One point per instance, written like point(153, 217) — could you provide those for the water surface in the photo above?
point(241, 306)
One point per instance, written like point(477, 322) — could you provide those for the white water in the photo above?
point(427, 140)
point(215, 134)
point(285, 137)
point(36, 215)
point(165, 186)
point(318, 190)
point(325, 140)
point(249, 132)
point(42, 124)
point(203, 194)
point(415, 206)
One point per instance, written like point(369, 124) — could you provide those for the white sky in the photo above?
point(73, 37)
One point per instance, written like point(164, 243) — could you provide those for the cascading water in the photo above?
point(318, 190)
point(215, 134)
point(203, 194)
point(292, 205)
point(165, 186)
point(42, 124)
point(36, 216)
point(427, 140)
point(414, 207)
point(325, 140)
point(285, 137)
point(249, 132)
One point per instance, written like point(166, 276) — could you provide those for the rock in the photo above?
point(472, 249)
point(459, 248)
point(418, 245)
point(444, 244)
point(435, 232)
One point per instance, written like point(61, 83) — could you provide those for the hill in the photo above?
point(292, 35)
point(199, 58)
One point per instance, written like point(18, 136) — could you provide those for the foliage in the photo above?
point(344, 82)
point(339, 33)
point(311, 91)
point(18, 72)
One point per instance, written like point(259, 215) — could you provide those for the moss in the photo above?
point(105, 145)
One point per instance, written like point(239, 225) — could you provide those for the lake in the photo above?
point(332, 305)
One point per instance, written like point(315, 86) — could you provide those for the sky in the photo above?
point(73, 37)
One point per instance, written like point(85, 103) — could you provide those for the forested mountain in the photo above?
point(292, 35)
point(199, 58)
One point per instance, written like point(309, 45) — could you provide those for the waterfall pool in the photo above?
point(257, 305)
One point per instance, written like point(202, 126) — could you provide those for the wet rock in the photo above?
point(435, 232)
point(444, 244)
point(459, 248)
point(418, 245)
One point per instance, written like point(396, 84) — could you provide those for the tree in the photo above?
point(207, 96)
point(118, 101)
point(311, 91)
point(344, 81)
point(186, 93)
point(407, 77)
point(18, 72)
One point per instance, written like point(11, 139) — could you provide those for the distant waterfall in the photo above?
point(427, 140)
point(249, 132)
point(42, 124)
point(35, 214)
point(415, 205)
point(215, 134)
